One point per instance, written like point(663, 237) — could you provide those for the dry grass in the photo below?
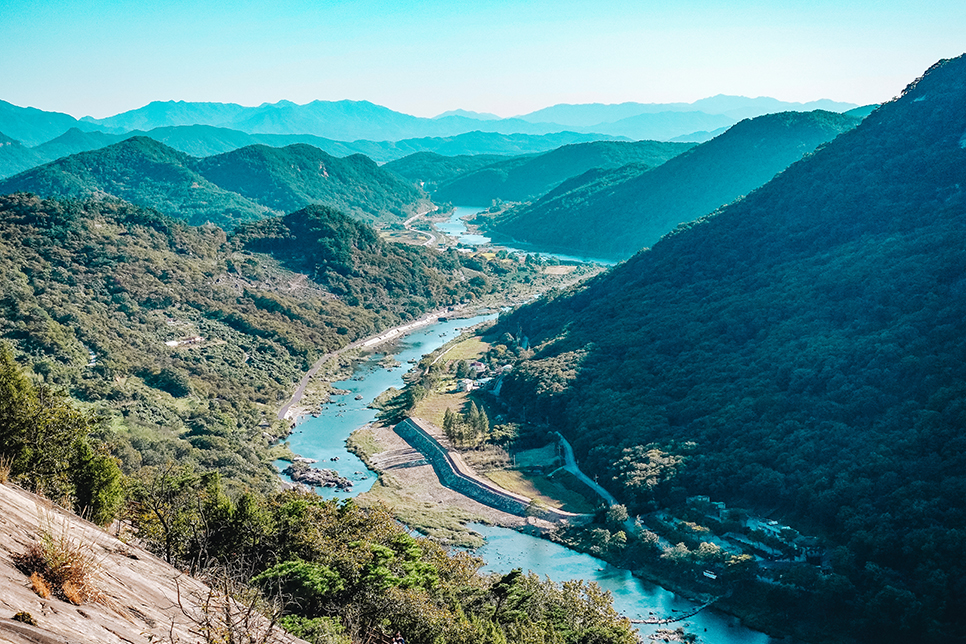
point(543, 490)
point(433, 407)
point(469, 349)
point(63, 566)
point(559, 270)
point(545, 456)
point(442, 522)
point(39, 585)
point(6, 464)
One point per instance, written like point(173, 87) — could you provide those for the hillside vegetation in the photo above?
point(430, 169)
point(176, 344)
point(93, 290)
point(523, 179)
point(16, 157)
point(801, 352)
point(285, 179)
point(207, 140)
point(270, 181)
point(614, 214)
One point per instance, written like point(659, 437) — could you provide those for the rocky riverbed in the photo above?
point(305, 474)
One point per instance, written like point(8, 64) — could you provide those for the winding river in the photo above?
point(456, 228)
point(323, 437)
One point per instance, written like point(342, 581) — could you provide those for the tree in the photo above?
point(47, 443)
point(616, 516)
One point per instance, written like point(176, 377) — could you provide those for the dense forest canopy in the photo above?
point(91, 291)
point(431, 169)
point(245, 185)
point(285, 179)
point(803, 350)
point(616, 213)
point(523, 179)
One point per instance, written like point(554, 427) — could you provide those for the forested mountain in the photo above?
point(172, 113)
point(616, 213)
point(16, 157)
point(288, 178)
point(480, 116)
point(474, 143)
point(663, 126)
point(522, 179)
point(92, 290)
point(804, 351)
point(31, 126)
point(207, 140)
point(151, 174)
point(430, 169)
point(331, 124)
point(144, 172)
point(340, 120)
point(76, 140)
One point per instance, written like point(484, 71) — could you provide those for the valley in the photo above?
point(277, 345)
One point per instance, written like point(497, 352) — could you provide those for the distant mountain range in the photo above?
point(247, 184)
point(206, 140)
point(362, 120)
point(615, 213)
point(735, 107)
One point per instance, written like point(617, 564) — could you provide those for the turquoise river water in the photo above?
point(455, 227)
point(323, 437)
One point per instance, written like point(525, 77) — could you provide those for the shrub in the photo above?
point(63, 566)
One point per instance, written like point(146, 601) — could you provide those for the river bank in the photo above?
point(295, 407)
point(418, 499)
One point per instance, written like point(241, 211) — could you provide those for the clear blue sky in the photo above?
point(96, 57)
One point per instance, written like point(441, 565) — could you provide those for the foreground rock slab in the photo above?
point(141, 593)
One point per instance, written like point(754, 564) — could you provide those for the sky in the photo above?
point(101, 57)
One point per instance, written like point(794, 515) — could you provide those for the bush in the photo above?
point(63, 566)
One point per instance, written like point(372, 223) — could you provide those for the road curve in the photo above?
point(570, 464)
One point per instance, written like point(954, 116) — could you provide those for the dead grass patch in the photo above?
point(62, 565)
point(39, 585)
point(547, 492)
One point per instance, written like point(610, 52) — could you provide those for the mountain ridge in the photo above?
point(579, 214)
point(149, 173)
point(348, 120)
point(802, 350)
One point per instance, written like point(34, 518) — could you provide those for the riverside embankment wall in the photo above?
point(456, 475)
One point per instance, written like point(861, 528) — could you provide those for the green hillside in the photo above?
point(31, 126)
point(803, 351)
point(429, 169)
point(16, 157)
point(616, 214)
point(76, 140)
point(522, 179)
point(92, 290)
point(245, 185)
point(144, 172)
point(289, 178)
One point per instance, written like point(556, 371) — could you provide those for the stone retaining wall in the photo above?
point(456, 475)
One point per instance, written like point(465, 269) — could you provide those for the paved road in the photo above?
point(432, 237)
point(570, 464)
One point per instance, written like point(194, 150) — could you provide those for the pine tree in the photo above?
point(450, 425)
